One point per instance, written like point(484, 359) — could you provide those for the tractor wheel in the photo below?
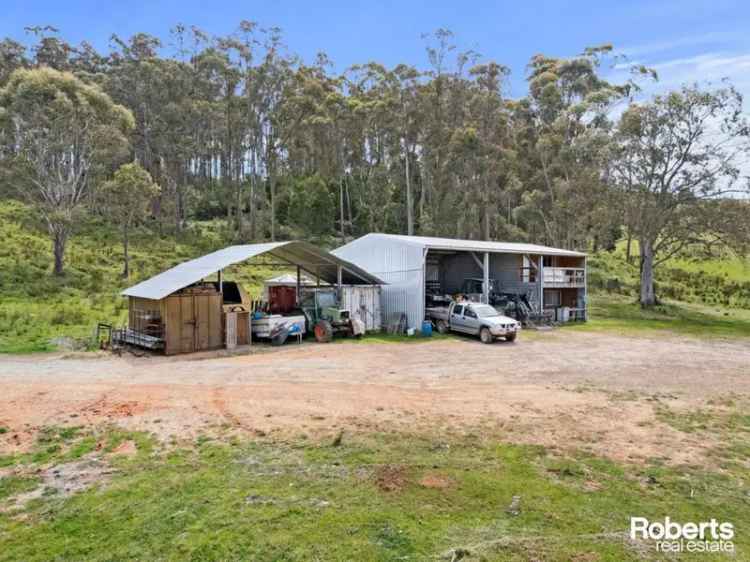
point(485, 335)
point(323, 331)
point(442, 326)
point(511, 337)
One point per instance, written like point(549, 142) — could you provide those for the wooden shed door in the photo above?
point(215, 329)
point(187, 331)
point(202, 322)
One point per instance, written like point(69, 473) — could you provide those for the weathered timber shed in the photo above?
point(180, 311)
point(414, 267)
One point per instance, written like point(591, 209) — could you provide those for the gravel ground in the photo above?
point(560, 389)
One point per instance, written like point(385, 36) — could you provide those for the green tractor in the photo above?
point(324, 315)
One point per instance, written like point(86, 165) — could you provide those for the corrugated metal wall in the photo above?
point(363, 301)
point(400, 265)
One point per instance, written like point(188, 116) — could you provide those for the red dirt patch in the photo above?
point(391, 478)
point(103, 407)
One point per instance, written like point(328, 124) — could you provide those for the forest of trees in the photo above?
point(235, 128)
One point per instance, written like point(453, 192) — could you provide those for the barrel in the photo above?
point(426, 328)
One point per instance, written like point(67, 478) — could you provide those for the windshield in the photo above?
point(485, 311)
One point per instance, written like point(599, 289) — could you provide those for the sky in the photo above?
point(685, 41)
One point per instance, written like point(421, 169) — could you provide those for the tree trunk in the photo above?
point(648, 296)
point(348, 203)
point(409, 202)
point(59, 238)
point(126, 256)
point(251, 205)
point(628, 257)
point(239, 210)
point(486, 203)
point(273, 207)
point(341, 210)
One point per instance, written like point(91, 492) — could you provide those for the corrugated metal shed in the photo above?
point(400, 264)
point(400, 261)
point(433, 243)
point(311, 259)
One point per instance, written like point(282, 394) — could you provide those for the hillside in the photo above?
point(690, 277)
point(37, 308)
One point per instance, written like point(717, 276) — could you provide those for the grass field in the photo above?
point(620, 314)
point(378, 496)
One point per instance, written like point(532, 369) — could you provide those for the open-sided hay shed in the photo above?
point(180, 312)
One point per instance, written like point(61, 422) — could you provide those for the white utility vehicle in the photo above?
point(476, 319)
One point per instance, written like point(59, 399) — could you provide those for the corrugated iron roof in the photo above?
point(289, 279)
point(296, 253)
point(434, 243)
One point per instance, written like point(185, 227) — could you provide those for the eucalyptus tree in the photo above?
point(676, 157)
point(400, 115)
point(372, 137)
point(479, 150)
point(445, 96)
point(167, 99)
point(136, 79)
point(565, 145)
point(127, 199)
point(12, 56)
point(278, 116)
point(63, 132)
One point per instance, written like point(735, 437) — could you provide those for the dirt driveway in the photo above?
point(559, 389)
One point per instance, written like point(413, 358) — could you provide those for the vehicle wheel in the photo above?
point(511, 337)
point(442, 326)
point(323, 331)
point(485, 335)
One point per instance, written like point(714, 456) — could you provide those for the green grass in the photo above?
point(727, 420)
point(621, 314)
point(13, 485)
point(730, 267)
point(36, 307)
point(691, 277)
point(382, 337)
point(362, 500)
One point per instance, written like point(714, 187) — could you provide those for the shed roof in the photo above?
point(296, 253)
point(289, 279)
point(454, 244)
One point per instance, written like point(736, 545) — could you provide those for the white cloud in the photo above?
point(706, 60)
point(728, 61)
point(717, 37)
